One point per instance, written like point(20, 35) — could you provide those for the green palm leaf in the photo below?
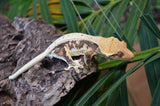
point(69, 15)
point(143, 62)
point(146, 32)
point(46, 15)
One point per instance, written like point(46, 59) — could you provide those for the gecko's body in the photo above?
point(75, 44)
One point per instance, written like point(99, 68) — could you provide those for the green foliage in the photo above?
point(156, 96)
point(150, 24)
point(3, 6)
point(35, 15)
point(131, 25)
point(18, 7)
point(103, 18)
point(69, 15)
point(149, 31)
point(157, 6)
point(94, 88)
point(148, 59)
point(46, 15)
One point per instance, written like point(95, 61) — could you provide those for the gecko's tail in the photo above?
point(28, 65)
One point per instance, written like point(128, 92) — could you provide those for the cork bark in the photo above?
point(46, 82)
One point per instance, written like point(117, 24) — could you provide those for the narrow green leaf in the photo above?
point(112, 3)
point(72, 99)
point(99, 17)
point(34, 9)
point(23, 7)
point(149, 42)
point(123, 94)
point(149, 22)
point(98, 24)
point(46, 15)
point(59, 20)
point(156, 96)
point(157, 5)
point(117, 12)
point(134, 68)
point(82, 9)
point(92, 1)
point(93, 89)
point(143, 54)
point(119, 96)
point(13, 11)
point(70, 16)
point(112, 99)
point(91, 30)
point(131, 25)
point(109, 64)
point(152, 69)
point(85, 27)
point(18, 7)
point(123, 101)
point(154, 58)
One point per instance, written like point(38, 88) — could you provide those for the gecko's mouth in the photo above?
point(116, 57)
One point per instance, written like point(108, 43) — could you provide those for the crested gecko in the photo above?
point(76, 44)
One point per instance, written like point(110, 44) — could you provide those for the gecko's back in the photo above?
point(108, 47)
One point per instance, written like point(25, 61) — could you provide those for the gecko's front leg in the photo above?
point(64, 54)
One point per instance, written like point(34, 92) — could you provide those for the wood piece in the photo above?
point(46, 82)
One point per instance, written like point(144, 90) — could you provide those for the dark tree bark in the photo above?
point(46, 82)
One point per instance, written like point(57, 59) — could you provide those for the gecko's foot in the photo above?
point(77, 68)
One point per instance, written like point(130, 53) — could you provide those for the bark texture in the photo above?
point(46, 82)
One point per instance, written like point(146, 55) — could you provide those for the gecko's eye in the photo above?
point(120, 54)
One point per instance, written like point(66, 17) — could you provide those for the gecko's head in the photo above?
point(113, 48)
